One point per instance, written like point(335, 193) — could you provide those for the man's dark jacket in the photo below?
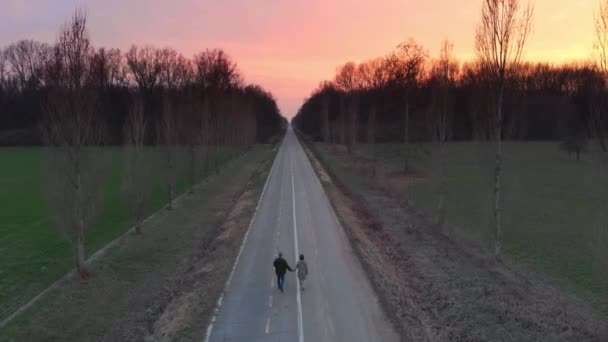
point(281, 266)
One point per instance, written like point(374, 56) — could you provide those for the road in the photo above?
point(294, 216)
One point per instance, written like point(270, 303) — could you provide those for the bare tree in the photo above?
point(353, 122)
point(601, 37)
point(443, 76)
point(325, 102)
point(371, 132)
point(3, 70)
point(26, 59)
point(500, 39)
point(347, 81)
point(106, 68)
point(342, 117)
point(373, 75)
point(175, 69)
point(346, 77)
point(138, 174)
point(145, 66)
point(599, 106)
point(216, 70)
point(194, 112)
point(76, 166)
point(168, 134)
point(406, 68)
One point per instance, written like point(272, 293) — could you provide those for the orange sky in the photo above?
point(290, 46)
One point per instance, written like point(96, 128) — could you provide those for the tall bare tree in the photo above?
point(599, 107)
point(373, 75)
point(325, 124)
point(406, 68)
point(348, 82)
point(371, 132)
point(76, 166)
point(27, 59)
point(500, 39)
point(175, 69)
point(443, 77)
point(215, 70)
point(138, 171)
point(3, 71)
point(168, 134)
point(193, 135)
point(145, 66)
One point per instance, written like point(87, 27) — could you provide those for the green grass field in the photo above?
point(33, 253)
point(164, 272)
point(553, 204)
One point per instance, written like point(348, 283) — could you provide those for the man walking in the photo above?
point(280, 267)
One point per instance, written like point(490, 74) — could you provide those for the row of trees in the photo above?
point(174, 118)
point(30, 71)
point(542, 101)
point(407, 96)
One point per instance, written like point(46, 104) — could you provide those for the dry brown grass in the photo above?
point(435, 289)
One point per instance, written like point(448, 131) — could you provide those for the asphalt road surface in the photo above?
point(294, 216)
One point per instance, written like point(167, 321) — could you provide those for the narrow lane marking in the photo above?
point(267, 330)
point(295, 237)
point(270, 302)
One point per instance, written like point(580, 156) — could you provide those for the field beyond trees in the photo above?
point(553, 206)
point(34, 253)
point(162, 284)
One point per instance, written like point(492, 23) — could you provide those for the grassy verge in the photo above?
point(435, 288)
point(178, 260)
point(33, 253)
point(552, 203)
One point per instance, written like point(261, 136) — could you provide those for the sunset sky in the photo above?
point(290, 46)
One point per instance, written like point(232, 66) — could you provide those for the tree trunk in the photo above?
point(371, 126)
point(442, 188)
point(498, 179)
point(325, 121)
point(342, 121)
point(193, 175)
point(406, 136)
point(352, 125)
point(170, 205)
point(80, 256)
point(602, 139)
point(137, 227)
point(371, 137)
point(597, 128)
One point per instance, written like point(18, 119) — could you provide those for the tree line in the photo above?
point(542, 101)
point(32, 71)
point(175, 118)
point(408, 97)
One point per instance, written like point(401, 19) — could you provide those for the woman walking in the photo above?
point(302, 269)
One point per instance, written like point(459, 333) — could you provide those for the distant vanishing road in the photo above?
point(294, 216)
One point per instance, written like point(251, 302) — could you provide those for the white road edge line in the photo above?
point(219, 301)
point(295, 237)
